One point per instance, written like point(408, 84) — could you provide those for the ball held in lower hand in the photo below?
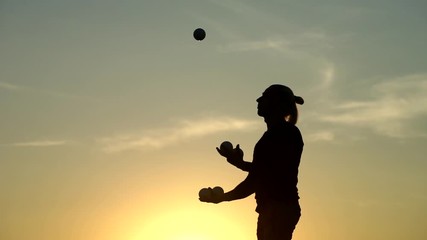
point(217, 191)
point(205, 193)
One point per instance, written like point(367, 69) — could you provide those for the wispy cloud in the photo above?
point(278, 45)
point(183, 130)
point(41, 143)
point(394, 106)
point(290, 39)
point(328, 75)
point(234, 6)
point(320, 136)
point(39, 91)
point(8, 86)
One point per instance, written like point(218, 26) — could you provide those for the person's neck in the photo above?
point(274, 122)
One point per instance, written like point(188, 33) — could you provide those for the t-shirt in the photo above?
point(274, 171)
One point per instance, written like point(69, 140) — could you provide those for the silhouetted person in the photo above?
point(273, 172)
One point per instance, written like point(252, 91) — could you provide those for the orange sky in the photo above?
point(111, 112)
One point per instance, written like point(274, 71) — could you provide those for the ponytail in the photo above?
point(293, 110)
point(292, 116)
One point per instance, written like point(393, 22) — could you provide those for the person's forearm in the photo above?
point(243, 190)
point(245, 166)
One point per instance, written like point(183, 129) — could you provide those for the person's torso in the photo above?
point(275, 164)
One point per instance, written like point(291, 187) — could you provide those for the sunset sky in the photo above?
point(111, 112)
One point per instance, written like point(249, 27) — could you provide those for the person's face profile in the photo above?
point(265, 104)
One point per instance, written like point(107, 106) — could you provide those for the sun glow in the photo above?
point(196, 223)
point(192, 237)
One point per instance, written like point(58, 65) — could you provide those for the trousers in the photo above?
point(277, 221)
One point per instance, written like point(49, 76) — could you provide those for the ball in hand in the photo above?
point(205, 193)
point(226, 146)
point(217, 191)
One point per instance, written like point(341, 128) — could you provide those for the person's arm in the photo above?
point(242, 165)
point(243, 190)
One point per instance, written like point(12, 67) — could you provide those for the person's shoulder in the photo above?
point(295, 128)
point(295, 132)
point(291, 127)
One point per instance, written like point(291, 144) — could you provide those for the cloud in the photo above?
point(394, 107)
point(8, 86)
point(184, 130)
point(237, 7)
point(278, 45)
point(43, 143)
point(308, 46)
point(328, 75)
point(320, 136)
point(32, 90)
point(298, 45)
point(282, 36)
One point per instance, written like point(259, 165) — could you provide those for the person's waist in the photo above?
point(275, 204)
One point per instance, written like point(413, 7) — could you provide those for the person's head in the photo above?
point(278, 101)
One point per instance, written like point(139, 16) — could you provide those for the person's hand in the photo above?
point(224, 152)
point(208, 195)
point(234, 157)
point(212, 199)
